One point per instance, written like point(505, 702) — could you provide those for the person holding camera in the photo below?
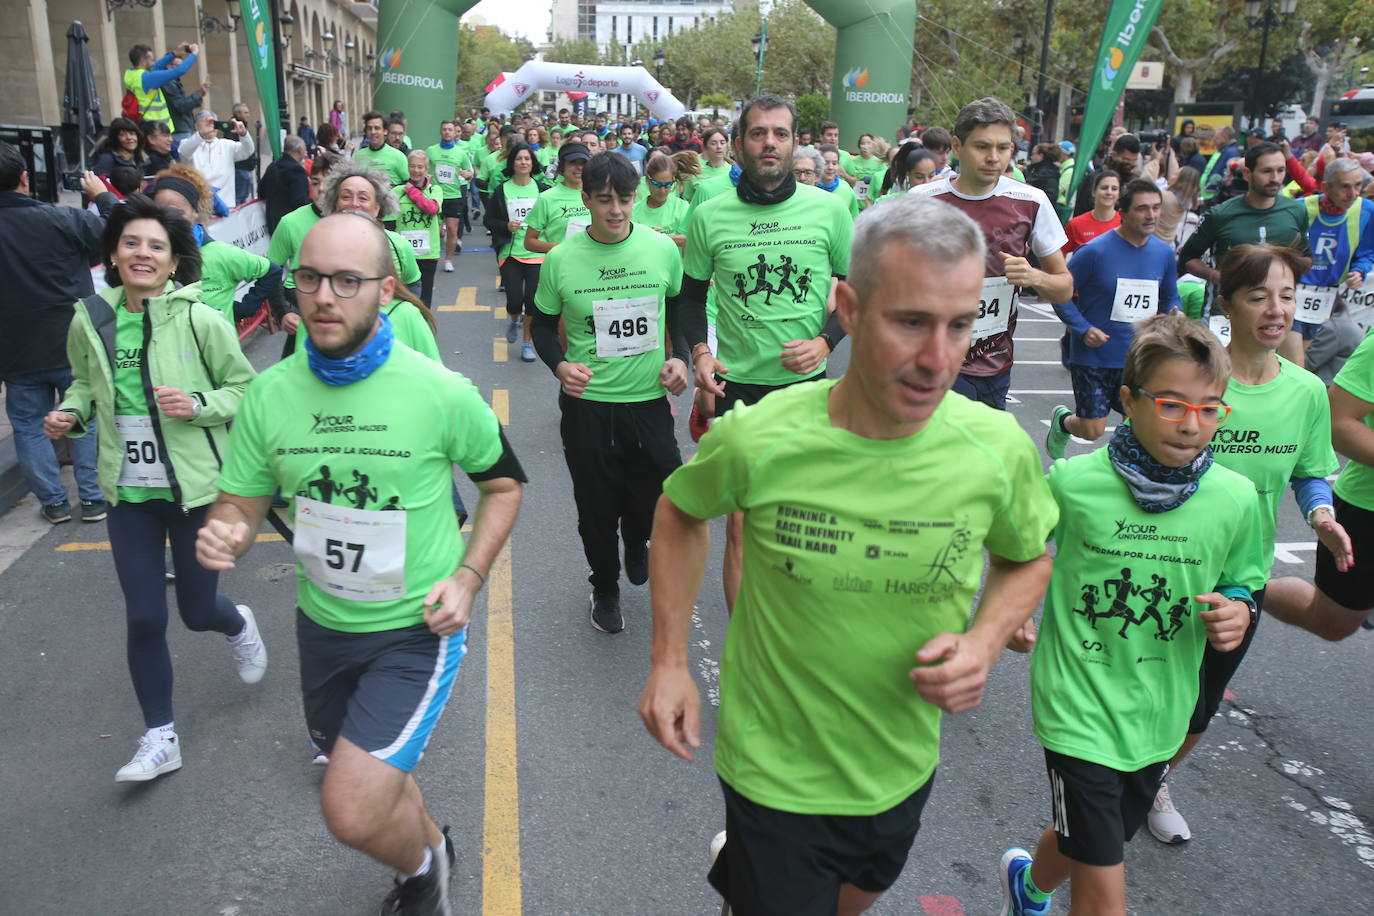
point(211, 150)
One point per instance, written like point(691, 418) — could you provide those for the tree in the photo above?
point(1334, 33)
point(574, 51)
point(813, 109)
point(483, 54)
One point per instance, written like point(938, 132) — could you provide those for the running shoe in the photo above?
point(249, 652)
point(57, 513)
point(154, 757)
point(1164, 821)
point(605, 607)
point(448, 265)
point(423, 895)
point(94, 510)
point(1057, 438)
point(637, 563)
point(717, 844)
point(1016, 863)
point(513, 330)
point(698, 424)
point(527, 353)
point(321, 759)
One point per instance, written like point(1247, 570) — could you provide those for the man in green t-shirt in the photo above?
point(1341, 600)
point(615, 288)
point(771, 247)
point(867, 504)
point(452, 162)
point(364, 432)
point(376, 153)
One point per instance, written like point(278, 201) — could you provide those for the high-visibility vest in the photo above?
point(151, 105)
point(1206, 173)
point(1352, 225)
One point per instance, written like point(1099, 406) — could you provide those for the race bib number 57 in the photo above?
point(358, 554)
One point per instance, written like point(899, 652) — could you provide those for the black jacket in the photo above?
point(46, 254)
point(285, 187)
point(1045, 176)
point(497, 219)
point(182, 105)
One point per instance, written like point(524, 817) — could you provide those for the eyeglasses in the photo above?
point(804, 173)
point(661, 184)
point(345, 285)
point(1174, 410)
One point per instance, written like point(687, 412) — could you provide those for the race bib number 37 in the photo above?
point(358, 554)
point(626, 327)
point(994, 308)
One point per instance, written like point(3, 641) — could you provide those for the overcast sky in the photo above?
point(529, 18)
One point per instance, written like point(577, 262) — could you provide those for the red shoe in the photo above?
point(698, 423)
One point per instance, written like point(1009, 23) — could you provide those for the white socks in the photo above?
point(425, 865)
point(167, 733)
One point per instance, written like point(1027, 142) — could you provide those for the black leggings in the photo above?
point(137, 532)
point(520, 280)
point(1217, 670)
point(427, 267)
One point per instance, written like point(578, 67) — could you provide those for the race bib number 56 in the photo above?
point(1315, 303)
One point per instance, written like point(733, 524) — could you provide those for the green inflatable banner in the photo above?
point(874, 47)
point(1123, 39)
point(417, 62)
point(262, 55)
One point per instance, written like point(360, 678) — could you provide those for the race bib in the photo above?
point(447, 174)
point(143, 466)
point(626, 327)
point(419, 241)
point(1220, 325)
point(861, 188)
point(995, 308)
point(1315, 303)
point(551, 171)
point(518, 208)
point(1135, 300)
point(575, 226)
point(358, 554)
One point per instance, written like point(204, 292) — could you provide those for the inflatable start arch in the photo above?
point(536, 75)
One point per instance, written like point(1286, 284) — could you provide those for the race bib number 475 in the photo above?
point(1135, 300)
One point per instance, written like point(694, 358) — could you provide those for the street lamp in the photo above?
point(760, 45)
point(288, 28)
point(659, 60)
point(1261, 14)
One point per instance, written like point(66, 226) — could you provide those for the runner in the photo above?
point(714, 160)
point(1110, 702)
point(807, 166)
point(419, 202)
point(223, 267)
point(285, 247)
point(911, 166)
point(615, 288)
point(1018, 221)
point(560, 212)
point(1280, 434)
point(1120, 278)
point(771, 248)
point(1101, 219)
point(834, 182)
point(663, 211)
point(1340, 237)
point(828, 735)
point(376, 153)
point(452, 169)
point(630, 148)
point(162, 424)
point(507, 211)
point(351, 187)
point(863, 167)
point(384, 583)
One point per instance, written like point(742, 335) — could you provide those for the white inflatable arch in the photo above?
point(538, 75)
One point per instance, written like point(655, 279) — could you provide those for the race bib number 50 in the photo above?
point(143, 465)
point(358, 554)
point(994, 308)
point(626, 327)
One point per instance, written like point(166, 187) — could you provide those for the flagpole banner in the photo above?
point(1124, 35)
point(510, 89)
point(417, 62)
point(874, 47)
point(262, 55)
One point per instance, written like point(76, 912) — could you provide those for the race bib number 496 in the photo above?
point(626, 327)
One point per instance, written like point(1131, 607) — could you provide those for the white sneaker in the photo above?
point(155, 756)
point(249, 652)
point(1167, 825)
point(448, 267)
point(717, 844)
point(321, 759)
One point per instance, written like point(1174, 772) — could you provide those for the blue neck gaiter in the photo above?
point(199, 232)
point(353, 368)
point(830, 185)
point(447, 144)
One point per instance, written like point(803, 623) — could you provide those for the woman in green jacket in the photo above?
point(158, 375)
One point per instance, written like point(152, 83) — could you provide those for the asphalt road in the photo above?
point(559, 801)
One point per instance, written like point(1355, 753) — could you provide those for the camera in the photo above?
point(1157, 137)
point(226, 128)
point(71, 181)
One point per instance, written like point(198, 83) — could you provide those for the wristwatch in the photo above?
point(1254, 609)
point(829, 341)
point(1315, 509)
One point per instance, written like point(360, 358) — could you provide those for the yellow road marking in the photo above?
point(466, 302)
point(501, 891)
point(498, 349)
point(105, 545)
point(500, 405)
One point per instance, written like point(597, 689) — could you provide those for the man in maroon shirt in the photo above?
point(684, 139)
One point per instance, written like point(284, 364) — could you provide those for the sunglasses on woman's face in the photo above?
point(662, 184)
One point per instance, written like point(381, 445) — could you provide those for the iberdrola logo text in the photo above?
point(1116, 54)
point(390, 62)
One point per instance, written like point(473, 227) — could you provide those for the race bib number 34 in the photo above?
point(143, 465)
point(1135, 300)
point(995, 308)
point(626, 327)
point(358, 554)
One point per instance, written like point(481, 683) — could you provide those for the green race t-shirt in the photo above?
point(670, 219)
point(388, 160)
point(856, 553)
point(222, 268)
point(846, 196)
point(418, 228)
point(141, 453)
point(520, 202)
point(708, 172)
point(772, 266)
point(612, 300)
point(448, 166)
point(370, 468)
point(411, 329)
point(285, 247)
point(1276, 431)
point(868, 186)
point(1356, 483)
point(558, 214)
point(403, 257)
point(1114, 676)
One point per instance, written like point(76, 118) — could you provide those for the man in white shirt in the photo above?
point(214, 156)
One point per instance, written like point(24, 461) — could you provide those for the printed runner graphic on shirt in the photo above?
point(784, 270)
point(354, 490)
point(1119, 590)
point(414, 217)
